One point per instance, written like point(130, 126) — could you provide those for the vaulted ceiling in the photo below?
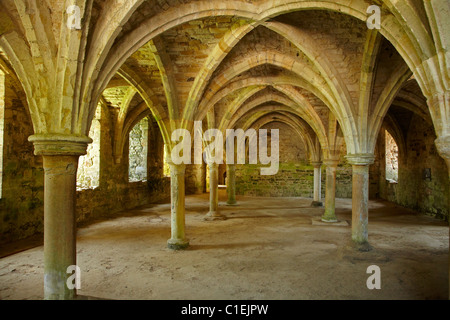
point(306, 65)
point(229, 64)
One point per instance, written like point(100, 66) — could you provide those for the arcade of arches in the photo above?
point(87, 114)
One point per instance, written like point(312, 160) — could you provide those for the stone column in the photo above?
point(231, 184)
point(360, 196)
point(317, 184)
point(330, 191)
point(178, 240)
point(443, 147)
point(60, 160)
point(213, 213)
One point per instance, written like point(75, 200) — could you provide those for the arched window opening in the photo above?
point(166, 168)
point(88, 174)
point(137, 156)
point(391, 158)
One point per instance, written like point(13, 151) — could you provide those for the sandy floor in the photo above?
point(266, 249)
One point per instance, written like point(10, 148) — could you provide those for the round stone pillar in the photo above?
point(330, 191)
point(60, 155)
point(443, 147)
point(360, 196)
point(317, 184)
point(213, 213)
point(178, 240)
point(231, 184)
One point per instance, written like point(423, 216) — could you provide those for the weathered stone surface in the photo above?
point(22, 196)
point(21, 205)
point(330, 190)
point(178, 240)
point(313, 67)
point(414, 189)
point(195, 179)
point(138, 151)
point(88, 173)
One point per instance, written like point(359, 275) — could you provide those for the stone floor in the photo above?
point(267, 249)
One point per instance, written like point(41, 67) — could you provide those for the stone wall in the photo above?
point(195, 178)
point(21, 203)
point(222, 174)
point(155, 149)
point(292, 180)
point(115, 192)
point(2, 122)
point(295, 177)
point(414, 189)
point(343, 179)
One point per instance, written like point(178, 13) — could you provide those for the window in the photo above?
point(391, 158)
point(88, 173)
point(166, 168)
point(138, 144)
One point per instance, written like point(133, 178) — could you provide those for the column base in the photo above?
point(329, 219)
point(213, 216)
point(232, 203)
point(317, 204)
point(55, 287)
point(177, 244)
point(60, 298)
point(361, 246)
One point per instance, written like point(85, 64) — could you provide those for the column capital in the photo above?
point(443, 146)
point(213, 165)
point(54, 144)
point(316, 164)
point(360, 159)
point(331, 162)
point(177, 168)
